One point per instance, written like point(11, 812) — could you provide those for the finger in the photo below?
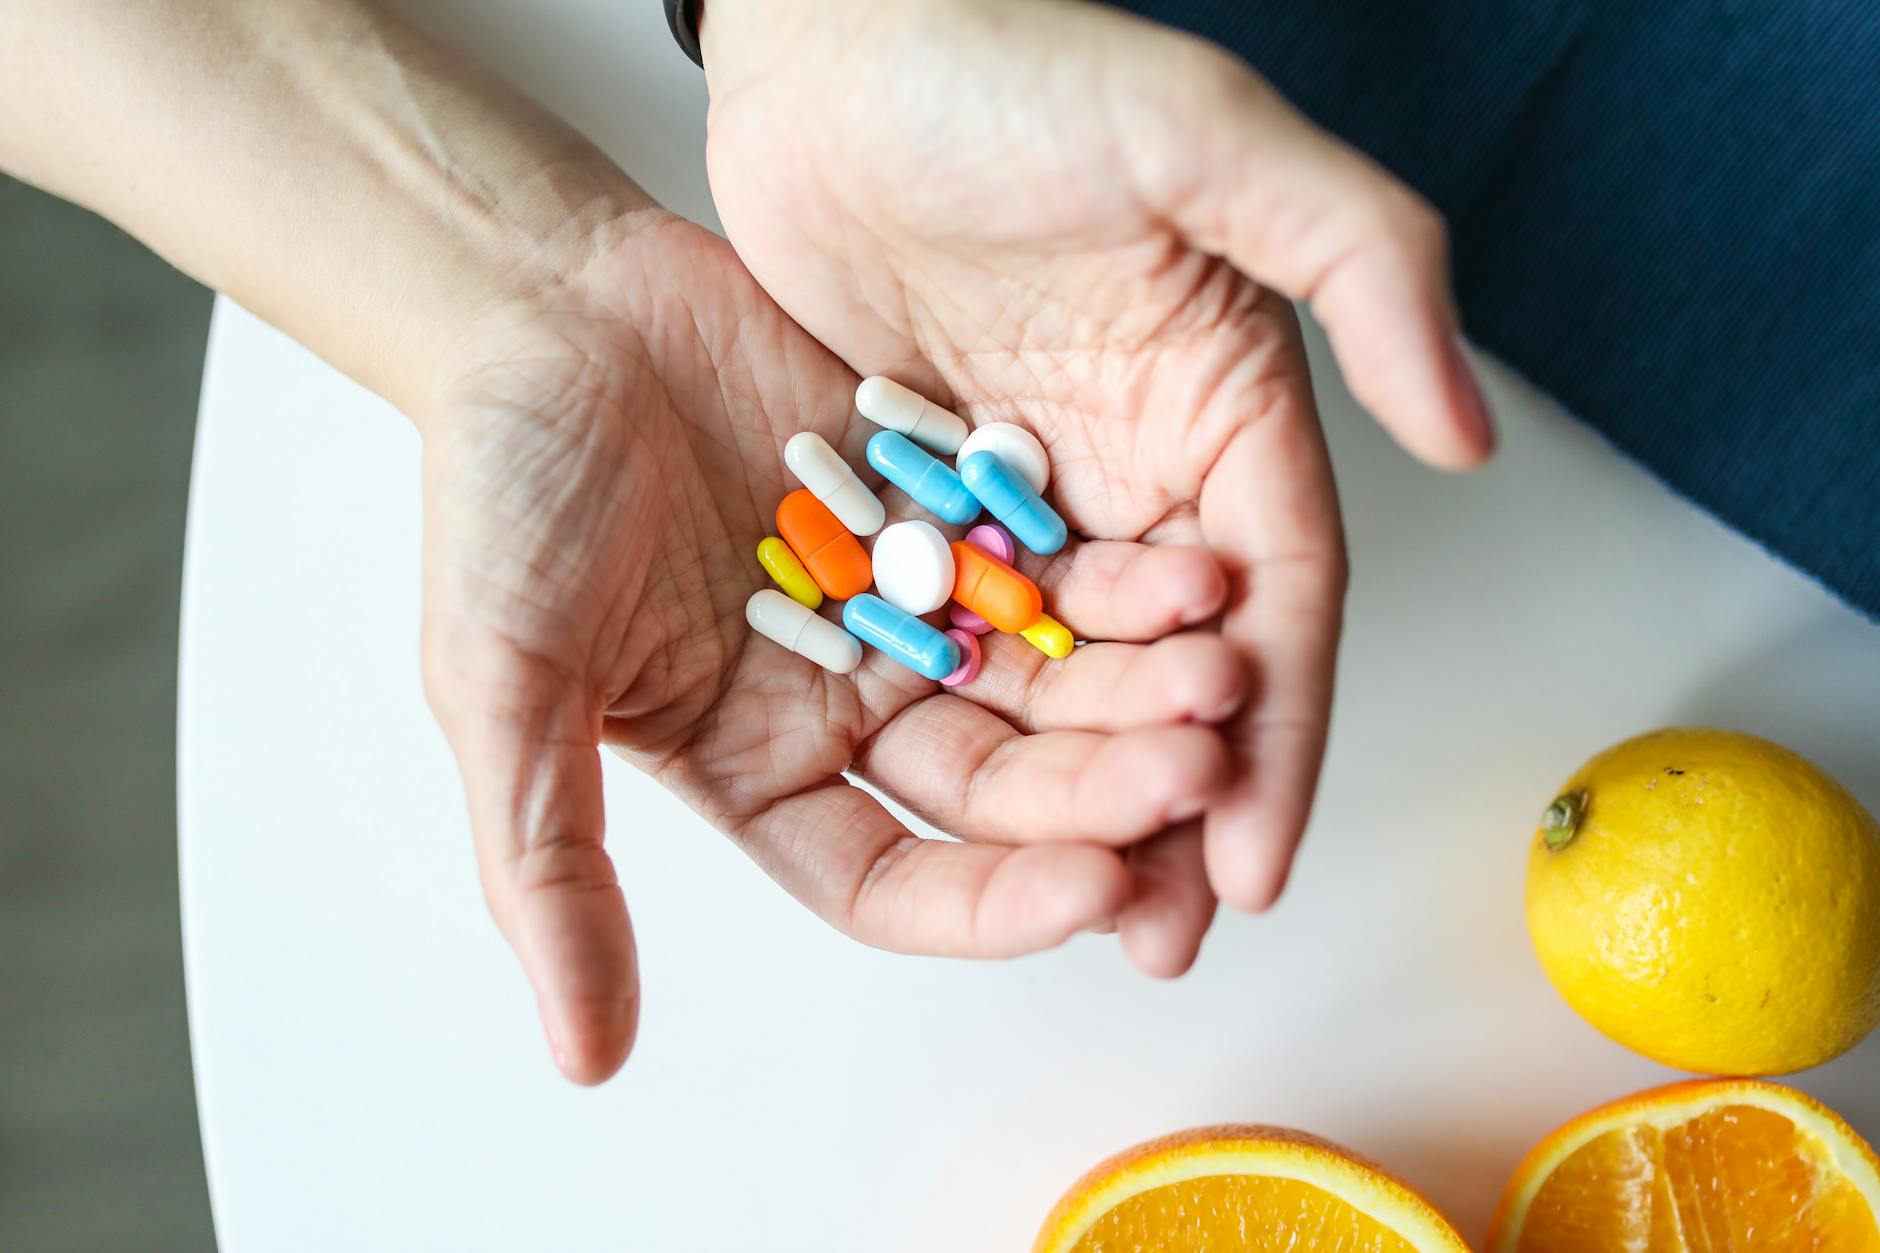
point(1112, 590)
point(528, 751)
point(840, 852)
point(1109, 687)
point(968, 772)
point(1302, 212)
point(1284, 615)
point(1171, 905)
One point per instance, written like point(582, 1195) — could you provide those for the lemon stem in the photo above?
point(1561, 822)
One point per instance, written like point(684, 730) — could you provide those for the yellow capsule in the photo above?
point(1050, 637)
point(780, 563)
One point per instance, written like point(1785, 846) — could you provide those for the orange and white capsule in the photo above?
point(886, 403)
point(776, 617)
point(828, 477)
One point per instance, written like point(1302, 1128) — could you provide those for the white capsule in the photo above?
point(828, 477)
point(913, 567)
point(1016, 447)
point(886, 403)
point(805, 633)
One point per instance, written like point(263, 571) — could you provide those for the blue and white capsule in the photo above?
point(901, 635)
point(1009, 498)
point(930, 481)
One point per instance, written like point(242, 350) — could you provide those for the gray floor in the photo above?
point(100, 359)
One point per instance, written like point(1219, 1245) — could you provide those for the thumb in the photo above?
point(527, 744)
point(1303, 213)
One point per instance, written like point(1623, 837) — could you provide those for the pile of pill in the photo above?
point(1001, 469)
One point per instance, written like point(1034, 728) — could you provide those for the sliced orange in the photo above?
point(1719, 1165)
point(1243, 1189)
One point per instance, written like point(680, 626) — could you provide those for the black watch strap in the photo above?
point(682, 16)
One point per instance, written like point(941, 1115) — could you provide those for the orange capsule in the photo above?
point(993, 590)
point(833, 557)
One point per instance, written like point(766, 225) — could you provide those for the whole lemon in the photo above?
point(1712, 901)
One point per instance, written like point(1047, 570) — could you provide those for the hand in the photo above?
point(1052, 213)
point(601, 459)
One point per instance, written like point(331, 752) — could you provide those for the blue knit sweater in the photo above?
point(1666, 214)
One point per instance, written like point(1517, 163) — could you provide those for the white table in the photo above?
point(367, 1057)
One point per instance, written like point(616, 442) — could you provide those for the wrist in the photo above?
point(437, 192)
point(562, 313)
point(475, 250)
point(323, 162)
point(728, 30)
point(740, 38)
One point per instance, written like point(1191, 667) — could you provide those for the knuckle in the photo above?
point(439, 674)
point(447, 667)
point(499, 896)
point(1338, 573)
point(1224, 78)
point(1396, 218)
point(1417, 227)
point(564, 860)
point(856, 917)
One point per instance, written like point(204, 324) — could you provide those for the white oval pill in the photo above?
point(886, 403)
point(1016, 447)
point(913, 567)
point(828, 477)
point(805, 633)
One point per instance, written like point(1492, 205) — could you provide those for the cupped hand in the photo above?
point(600, 461)
point(1047, 212)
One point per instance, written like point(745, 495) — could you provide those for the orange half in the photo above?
point(1718, 1165)
point(1244, 1189)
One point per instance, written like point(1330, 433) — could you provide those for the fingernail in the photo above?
point(1106, 927)
point(1189, 807)
point(1470, 405)
point(555, 1048)
point(1223, 711)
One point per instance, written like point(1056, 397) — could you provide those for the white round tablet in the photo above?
point(913, 567)
point(1016, 447)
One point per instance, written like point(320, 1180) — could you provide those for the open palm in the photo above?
point(1053, 214)
point(598, 472)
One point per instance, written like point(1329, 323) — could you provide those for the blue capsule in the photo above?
point(931, 483)
point(1009, 498)
point(900, 635)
